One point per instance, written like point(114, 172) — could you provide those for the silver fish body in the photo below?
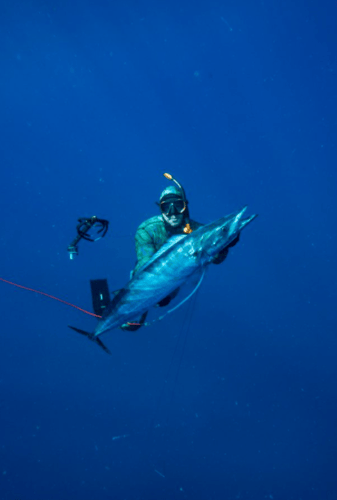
point(175, 263)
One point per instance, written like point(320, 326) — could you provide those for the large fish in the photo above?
point(182, 257)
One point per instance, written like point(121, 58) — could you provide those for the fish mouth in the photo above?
point(247, 221)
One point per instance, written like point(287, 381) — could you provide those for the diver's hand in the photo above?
point(220, 257)
point(165, 301)
point(131, 327)
point(134, 326)
point(234, 242)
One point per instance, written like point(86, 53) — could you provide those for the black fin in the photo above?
point(92, 337)
point(100, 295)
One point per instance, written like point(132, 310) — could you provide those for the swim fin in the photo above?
point(100, 295)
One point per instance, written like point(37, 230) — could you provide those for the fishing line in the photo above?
point(189, 315)
point(168, 375)
point(182, 339)
point(50, 297)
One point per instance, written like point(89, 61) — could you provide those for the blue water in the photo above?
point(234, 395)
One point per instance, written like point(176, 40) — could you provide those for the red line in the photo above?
point(51, 297)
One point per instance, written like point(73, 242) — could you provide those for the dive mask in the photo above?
point(172, 206)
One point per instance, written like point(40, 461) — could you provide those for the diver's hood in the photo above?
point(171, 191)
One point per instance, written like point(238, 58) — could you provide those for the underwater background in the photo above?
point(233, 396)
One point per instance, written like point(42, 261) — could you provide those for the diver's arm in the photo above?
point(145, 248)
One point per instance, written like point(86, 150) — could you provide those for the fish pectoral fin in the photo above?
point(92, 337)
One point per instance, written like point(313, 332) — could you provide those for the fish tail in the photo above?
point(91, 337)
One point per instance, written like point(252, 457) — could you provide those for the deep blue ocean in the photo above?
point(233, 396)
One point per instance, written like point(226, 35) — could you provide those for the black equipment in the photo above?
point(100, 295)
point(84, 225)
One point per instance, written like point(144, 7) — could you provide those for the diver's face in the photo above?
point(174, 220)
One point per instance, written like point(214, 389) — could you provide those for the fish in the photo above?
point(176, 262)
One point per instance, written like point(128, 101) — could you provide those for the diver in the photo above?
point(153, 233)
